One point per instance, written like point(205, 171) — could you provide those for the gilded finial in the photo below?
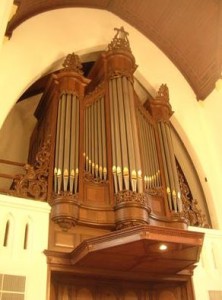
point(72, 63)
point(120, 40)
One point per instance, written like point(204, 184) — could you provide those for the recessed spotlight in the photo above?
point(163, 247)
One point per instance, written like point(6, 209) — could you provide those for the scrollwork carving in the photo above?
point(34, 183)
point(122, 73)
point(190, 212)
point(130, 197)
point(90, 178)
point(128, 224)
point(155, 192)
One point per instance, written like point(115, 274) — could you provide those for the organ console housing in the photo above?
point(105, 163)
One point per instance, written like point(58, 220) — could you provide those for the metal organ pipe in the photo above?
point(150, 160)
point(99, 127)
point(135, 136)
point(171, 177)
point(173, 164)
point(95, 139)
point(113, 137)
point(117, 140)
point(61, 142)
point(76, 167)
point(129, 132)
point(67, 143)
point(165, 168)
point(169, 166)
point(104, 165)
point(72, 148)
point(58, 127)
point(125, 149)
point(66, 157)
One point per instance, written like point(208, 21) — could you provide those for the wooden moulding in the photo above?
point(131, 209)
point(65, 210)
point(133, 254)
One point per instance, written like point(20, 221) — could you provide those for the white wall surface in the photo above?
point(208, 274)
point(16, 260)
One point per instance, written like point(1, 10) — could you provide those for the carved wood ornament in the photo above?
point(34, 183)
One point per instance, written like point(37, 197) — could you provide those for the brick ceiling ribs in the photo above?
point(189, 32)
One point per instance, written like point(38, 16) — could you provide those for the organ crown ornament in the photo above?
point(72, 63)
point(120, 40)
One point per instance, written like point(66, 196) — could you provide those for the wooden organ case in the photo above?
point(117, 229)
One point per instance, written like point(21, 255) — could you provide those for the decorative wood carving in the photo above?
point(191, 212)
point(72, 63)
point(34, 183)
point(160, 107)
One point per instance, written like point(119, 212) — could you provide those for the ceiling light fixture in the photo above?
point(163, 247)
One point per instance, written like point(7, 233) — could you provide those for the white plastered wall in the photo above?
point(208, 274)
point(14, 259)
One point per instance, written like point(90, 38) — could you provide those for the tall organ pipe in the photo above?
point(61, 143)
point(173, 163)
point(100, 141)
point(123, 135)
point(134, 131)
point(165, 168)
point(76, 147)
point(67, 145)
point(169, 166)
point(57, 147)
point(125, 149)
point(114, 166)
point(95, 139)
point(129, 130)
point(117, 141)
point(149, 156)
point(103, 139)
point(66, 157)
point(72, 148)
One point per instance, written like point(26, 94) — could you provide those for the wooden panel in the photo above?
point(67, 240)
point(156, 204)
point(70, 287)
point(96, 194)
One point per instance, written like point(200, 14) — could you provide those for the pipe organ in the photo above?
point(108, 151)
point(112, 183)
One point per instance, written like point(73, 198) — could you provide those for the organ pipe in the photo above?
point(127, 170)
point(168, 190)
point(67, 145)
point(161, 112)
point(149, 156)
point(104, 166)
point(95, 139)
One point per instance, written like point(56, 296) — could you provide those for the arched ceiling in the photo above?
point(189, 32)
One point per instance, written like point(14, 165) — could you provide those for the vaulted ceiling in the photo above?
point(189, 32)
